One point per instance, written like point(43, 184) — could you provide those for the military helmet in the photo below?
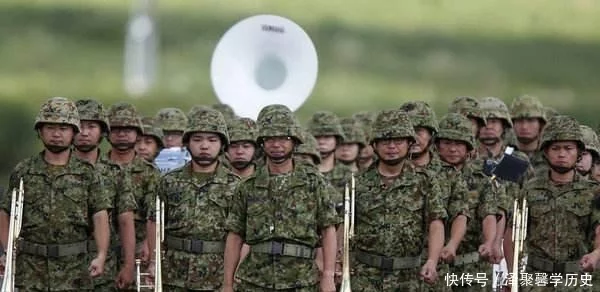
point(527, 106)
point(171, 119)
point(365, 120)
point(225, 110)
point(467, 106)
point(391, 124)
point(326, 123)
point(562, 128)
point(58, 110)
point(550, 112)
point(455, 126)
point(124, 114)
point(421, 115)
point(152, 129)
point(353, 132)
point(492, 107)
point(92, 110)
point(205, 119)
point(309, 147)
point(277, 120)
point(590, 139)
point(242, 129)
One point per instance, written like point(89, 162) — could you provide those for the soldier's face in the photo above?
point(278, 149)
point(173, 139)
point(204, 148)
point(562, 154)
point(474, 126)
point(366, 153)
point(123, 138)
point(423, 138)
point(392, 149)
point(347, 152)
point(56, 137)
point(240, 154)
point(527, 130)
point(452, 151)
point(147, 148)
point(325, 144)
point(595, 173)
point(584, 165)
point(492, 131)
point(89, 137)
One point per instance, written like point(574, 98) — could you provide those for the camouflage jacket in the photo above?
point(195, 209)
point(392, 220)
point(338, 177)
point(293, 208)
point(561, 219)
point(454, 192)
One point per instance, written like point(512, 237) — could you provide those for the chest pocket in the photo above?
point(539, 208)
point(71, 197)
point(258, 214)
point(576, 204)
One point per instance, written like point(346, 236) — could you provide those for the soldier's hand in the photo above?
point(497, 254)
point(448, 253)
point(429, 272)
point(337, 278)
point(326, 283)
point(151, 272)
point(589, 261)
point(96, 267)
point(125, 277)
point(486, 251)
point(145, 252)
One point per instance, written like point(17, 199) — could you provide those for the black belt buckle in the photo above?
point(197, 246)
point(387, 264)
point(276, 248)
point(52, 250)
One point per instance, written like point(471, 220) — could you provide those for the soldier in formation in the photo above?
point(151, 143)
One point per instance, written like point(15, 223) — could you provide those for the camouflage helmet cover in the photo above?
point(562, 128)
point(309, 147)
point(391, 124)
point(124, 114)
point(278, 120)
point(225, 110)
point(326, 123)
point(92, 110)
point(365, 119)
point(494, 108)
point(171, 119)
point(421, 115)
point(242, 129)
point(550, 112)
point(353, 132)
point(455, 126)
point(527, 106)
point(151, 129)
point(206, 119)
point(467, 106)
point(590, 139)
point(58, 110)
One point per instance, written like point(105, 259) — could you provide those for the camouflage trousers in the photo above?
point(476, 277)
point(37, 273)
point(370, 279)
point(248, 287)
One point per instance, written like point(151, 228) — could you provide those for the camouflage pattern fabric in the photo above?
point(124, 114)
point(590, 140)
point(205, 119)
point(391, 124)
point(225, 110)
point(292, 207)
point(550, 112)
point(494, 108)
point(242, 129)
point(392, 220)
point(353, 132)
point(58, 110)
point(151, 129)
point(325, 123)
point(171, 119)
point(92, 110)
point(456, 127)
point(278, 120)
point(365, 120)
point(309, 147)
point(527, 106)
point(59, 203)
point(468, 107)
point(421, 115)
point(196, 208)
point(338, 177)
point(562, 128)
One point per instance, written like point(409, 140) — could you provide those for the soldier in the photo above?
point(550, 112)
point(475, 253)
point(366, 155)
point(151, 142)
point(280, 211)
point(197, 198)
point(64, 203)
point(308, 151)
point(529, 118)
point(125, 128)
point(563, 220)
point(397, 211)
point(94, 126)
point(591, 152)
point(468, 107)
point(423, 118)
point(172, 121)
point(241, 150)
point(225, 110)
point(347, 152)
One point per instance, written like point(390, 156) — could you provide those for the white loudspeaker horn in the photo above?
point(263, 60)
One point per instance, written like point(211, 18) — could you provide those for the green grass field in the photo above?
point(372, 54)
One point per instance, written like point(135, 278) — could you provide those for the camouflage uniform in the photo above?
point(243, 130)
point(468, 107)
point(480, 198)
point(280, 216)
point(590, 140)
point(422, 116)
point(527, 106)
point(392, 220)
point(309, 147)
point(171, 119)
point(118, 185)
point(353, 133)
point(196, 209)
point(152, 129)
point(59, 204)
point(562, 218)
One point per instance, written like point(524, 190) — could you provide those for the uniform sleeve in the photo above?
point(595, 209)
point(236, 219)
point(125, 198)
point(458, 198)
point(488, 204)
point(148, 205)
point(150, 198)
point(99, 196)
point(326, 205)
point(435, 206)
point(6, 198)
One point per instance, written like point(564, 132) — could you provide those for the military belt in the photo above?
point(54, 250)
point(195, 246)
point(549, 266)
point(284, 249)
point(116, 248)
point(467, 258)
point(388, 263)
